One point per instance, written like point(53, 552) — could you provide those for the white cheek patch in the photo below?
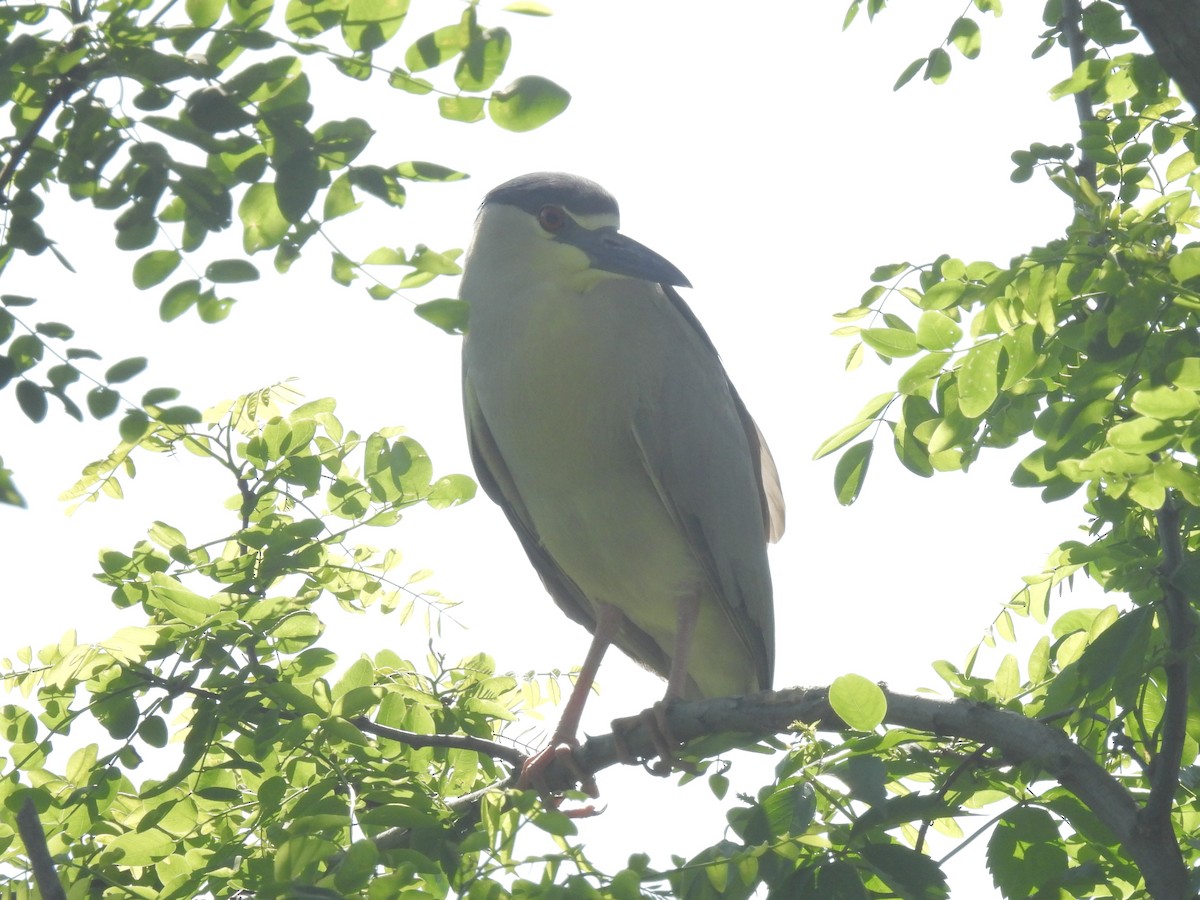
point(596, 220)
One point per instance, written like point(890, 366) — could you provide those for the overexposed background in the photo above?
point(765, 154)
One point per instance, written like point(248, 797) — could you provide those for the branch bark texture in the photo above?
point(1172, 27)
point(1018, 738)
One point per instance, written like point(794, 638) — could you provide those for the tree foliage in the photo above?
point(184, 119)
point(293, 773)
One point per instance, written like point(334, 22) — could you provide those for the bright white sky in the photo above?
point(766, 155)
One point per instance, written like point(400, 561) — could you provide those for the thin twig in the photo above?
point(510, 755)
point(959, 770)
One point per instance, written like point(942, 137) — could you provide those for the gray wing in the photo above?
point(714, 472)
point(498, 483)
point(770, 492)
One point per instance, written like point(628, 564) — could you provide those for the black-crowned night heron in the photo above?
point(602, 422)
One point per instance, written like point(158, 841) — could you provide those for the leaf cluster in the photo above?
point(1083, 355)
point(185, 121)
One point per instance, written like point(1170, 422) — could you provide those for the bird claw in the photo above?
point(536, 771)
point(654, 718)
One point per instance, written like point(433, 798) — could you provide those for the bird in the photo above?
point(601, 420)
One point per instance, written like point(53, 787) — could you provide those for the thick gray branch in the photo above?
point(1164, 771)
point(1172, 28)
point(1019, 739)
point(33, 836)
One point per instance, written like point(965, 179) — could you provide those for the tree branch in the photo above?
point(1020, 739)
point(1164, 772)
point(1172, 28)
point(509, 754)
point(33, 836)
point(1071, 27)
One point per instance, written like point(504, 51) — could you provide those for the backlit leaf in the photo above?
point(859, 701)
point(528, 103)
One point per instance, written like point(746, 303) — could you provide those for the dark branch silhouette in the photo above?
point(1172, 28)
point(33, 836)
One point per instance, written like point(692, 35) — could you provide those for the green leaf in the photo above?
point(483, 61)
point(189, 607)
point(937, 331)
point(134, 426)
point(264, 226)
point(251, 14)
point(339, 199)
point(858, 701)
point(889, 271)
point(851, 471)
point(461, 109)
point(943, 295)
point(1086, 74)
point(25, 352)
point(528, 103)
point(139, 848)
point(529, 8)
point(180, 415)
point(964, 35)
point(1025, 851)
point(406, 82)
point(891, 342)
point(339, 143)
point(1141, 435)
point(369, 24)
point(380, 182)
point(357, 867)
point(213, 309)
point(1164, 402)
point(1185, 264)
point(32, 400)
point(8, 488)
point(230, 271)
point(125, 369)
point(178, 299)
point(910, 70)
point(447, 314)
point(907, 872)
point(102, 402)
point(427, 171)
point(1182, 165)
point(1185, 372)
point(213, 110)
point(307, 18)
point(152, 268)
point(297, 180)
point(204, 13)
point(938, 69)
point(153, 730)
point(841, 437)
point(979, 379)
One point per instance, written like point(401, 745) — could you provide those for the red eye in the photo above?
point(552, 218)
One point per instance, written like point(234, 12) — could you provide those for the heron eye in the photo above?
point(552, 218)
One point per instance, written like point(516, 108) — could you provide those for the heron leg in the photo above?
point(655, 717)
point(563, 741)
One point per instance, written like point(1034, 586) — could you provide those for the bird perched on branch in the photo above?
point(602, 422)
